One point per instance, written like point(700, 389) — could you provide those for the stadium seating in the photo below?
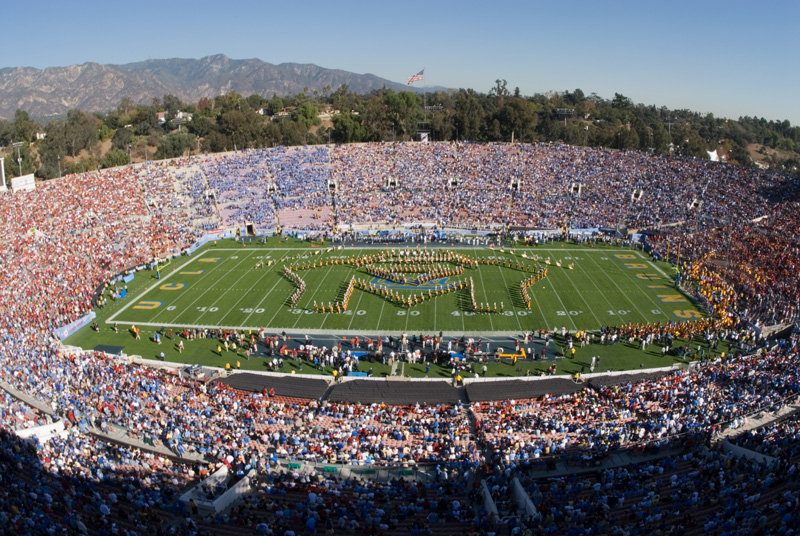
point(625, 455)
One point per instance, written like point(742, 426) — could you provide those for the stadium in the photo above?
point(185, 350)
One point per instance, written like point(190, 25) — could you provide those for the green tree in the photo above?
point(499, 91)
point(174, 145)
point(200, 125)
point(52, 149)
point(80, 131)
point(275, 105)
point(256, 101)
point(172, 105)
point(122, 138)
point(621, 102)
point(739, 155)
point(306, 114)
point(24, 127)
point(145, 121)
point(227, 102)
point(469, 115)
point(115, 158)
point(11, 163)
point(292, 133)
point(347, 128)
point(517, 118)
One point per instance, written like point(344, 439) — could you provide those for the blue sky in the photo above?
point(729, 58)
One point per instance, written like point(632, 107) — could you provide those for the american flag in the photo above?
point(416, 78)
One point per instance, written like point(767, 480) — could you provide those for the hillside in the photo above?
point(95, 87)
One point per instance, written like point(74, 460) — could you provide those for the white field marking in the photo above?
point(240, 261)
point(511, 304)
point(138, 298)
point(480, 273)
point(622, 292)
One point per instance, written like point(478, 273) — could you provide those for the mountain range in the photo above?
point(96, 87)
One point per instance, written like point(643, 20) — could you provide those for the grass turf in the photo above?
point(219, 286)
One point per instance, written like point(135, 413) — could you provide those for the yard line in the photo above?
point(486, 335)
point(550, 281)
point(268, 293)
point(434, 313)
point(246, 258)
point(112, 318)
point(244, 293)
point(655, 267)
point(463, 323)
point(538, 305)
point(383, 304)
point(657, 303)
point(150, 289)
point(353, 317)
point(622, 292)
point(319, 286)
point(505, 284)
point(480, 272)
point(589, 307)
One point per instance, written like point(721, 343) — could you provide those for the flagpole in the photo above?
point(424, 98)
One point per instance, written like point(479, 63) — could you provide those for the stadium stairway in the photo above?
point(33, 402)
point(118, 435)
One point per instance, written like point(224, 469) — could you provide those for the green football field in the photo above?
point(231, 286)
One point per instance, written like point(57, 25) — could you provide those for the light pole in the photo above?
point(19, 144)
point(59, 166)
point(130, 153)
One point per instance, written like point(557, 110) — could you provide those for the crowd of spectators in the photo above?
point(598, 420)
point(471, 184)
point(70, 235)
point(715, 212)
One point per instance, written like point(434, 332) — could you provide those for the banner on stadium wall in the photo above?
point(586, 231)
point(218, 234)
point(65, 331)
point(26, 183)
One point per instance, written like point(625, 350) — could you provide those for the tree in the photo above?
point(227, 102)
point(144, 121)
point(256, 101)
point(469, 115)
point(626, 138)
point(292, 133)
point(621, 102)
point(347, 128)
point(24, 127)
point(275, 105)
point(80, 131)
point(174, 145)
point(172, 105)
point(517, 118)
point(121, 139)
point(739, 155)
point(306, 114)
point(402, 110)
point(52, 148)
point(11, 164)
point(374, 119)
point(499, 91)
point(6, 133)
point(200, 126)
point(115, 158)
